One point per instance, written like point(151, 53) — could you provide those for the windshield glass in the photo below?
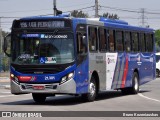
point(44, 48)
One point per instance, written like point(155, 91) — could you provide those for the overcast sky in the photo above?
point(126, 9)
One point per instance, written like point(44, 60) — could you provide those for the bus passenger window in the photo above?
point(102, 40)
point(149, 42)
point(111, 41)
point(127, 41)
point(92, 39)
point(135, 42)
point(119, 41)
point(142, 42)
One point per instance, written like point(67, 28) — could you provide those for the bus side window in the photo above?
point(81, 43)
point(92, 39)
point(111, 41)
point(142, 42)
point(152, 43)
point(102, 40)
point(127, 41)
point(149, 42)
point(135, 42)
point(119, 41)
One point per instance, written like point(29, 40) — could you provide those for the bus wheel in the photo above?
point(92, 91)
point(157, 73)
point(135, 84)
point(39, 98)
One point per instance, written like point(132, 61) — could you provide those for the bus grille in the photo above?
point(38, 69)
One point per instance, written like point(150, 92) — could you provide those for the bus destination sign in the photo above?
point(43, 24)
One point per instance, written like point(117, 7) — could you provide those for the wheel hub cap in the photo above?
point(92, 89)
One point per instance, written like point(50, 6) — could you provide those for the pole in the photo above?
point(0, 37)
point(0, 44)
point(96, 9)
point(54, 7)
point(143, 17)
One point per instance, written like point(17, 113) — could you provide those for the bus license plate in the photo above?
point(38, 87)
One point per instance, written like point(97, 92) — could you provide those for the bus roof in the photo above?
point(117, 24)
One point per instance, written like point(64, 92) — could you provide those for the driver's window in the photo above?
point(81, 40)
point(81, 43)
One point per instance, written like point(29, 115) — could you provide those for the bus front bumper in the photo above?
point(68, 87)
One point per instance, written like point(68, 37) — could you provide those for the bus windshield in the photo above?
point(47, 48)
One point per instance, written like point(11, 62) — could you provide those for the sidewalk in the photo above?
point(4, 76)
point(4, 80)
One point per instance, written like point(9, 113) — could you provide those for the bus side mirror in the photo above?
point(7, 45)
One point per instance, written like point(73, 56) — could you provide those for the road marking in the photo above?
point(3, 96)
point(141, 95)
point(5, 92)
point(7, 96)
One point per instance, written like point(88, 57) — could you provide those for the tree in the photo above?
point(4, 33)
point(1, 39)
point(110, 16)
point(157, 39)
point(79, 14)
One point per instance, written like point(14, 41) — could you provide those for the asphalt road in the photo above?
point(147, 100)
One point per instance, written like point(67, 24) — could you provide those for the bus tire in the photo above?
point(135, 84)
point(39, 98)
point(90, 97)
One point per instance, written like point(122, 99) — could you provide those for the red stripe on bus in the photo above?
point(125, 74)
point(24, 78)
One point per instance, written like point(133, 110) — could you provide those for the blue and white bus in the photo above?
point(78, 56)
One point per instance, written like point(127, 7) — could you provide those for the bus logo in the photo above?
point(111, 61)
point(49, 78)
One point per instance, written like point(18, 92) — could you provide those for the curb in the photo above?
point(4, 79)
point(7, 87)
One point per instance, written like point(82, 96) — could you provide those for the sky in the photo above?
point(128, 10)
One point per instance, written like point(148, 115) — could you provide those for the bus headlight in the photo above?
point(14, 78)
point(66, 78)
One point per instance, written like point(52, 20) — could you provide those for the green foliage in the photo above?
point(79, 14)
point(3, 35)
point(110, 16)
point(157, 37)
point(5, 63)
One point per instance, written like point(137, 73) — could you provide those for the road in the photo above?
point(147, 100)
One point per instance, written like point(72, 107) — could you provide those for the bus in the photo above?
point(78, 56)
point(157, 64)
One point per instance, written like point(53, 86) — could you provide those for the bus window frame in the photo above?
point(106, 39)
point(142, 33)
point(122, 31)
point(113, 30)
point(152, 36)
point(97, 39)
point(129, 32)
point(133, 32)
point(80, 57)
